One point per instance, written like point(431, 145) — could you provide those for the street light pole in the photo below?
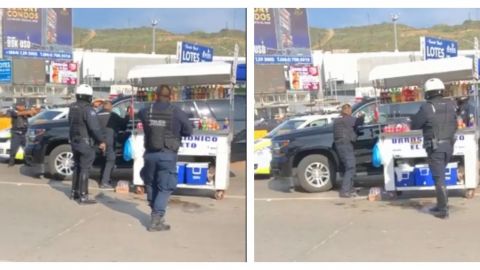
point(154, 23)
point(394, 20)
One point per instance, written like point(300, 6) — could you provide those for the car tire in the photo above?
point(315, 173)
point(58, 162)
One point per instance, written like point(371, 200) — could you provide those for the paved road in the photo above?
point(322, 227)
point(40, 223)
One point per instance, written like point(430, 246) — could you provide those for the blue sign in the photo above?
point(38, 33)
point(5, 71)
point(435, 48)
point(281, 36)
point(193, 53)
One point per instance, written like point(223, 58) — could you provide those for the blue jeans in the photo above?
point(346, 154)
point(159, 174)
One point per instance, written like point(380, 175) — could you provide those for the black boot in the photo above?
point(157, 223)
point(75, 194)
point(439, 213)
point(84, 199)
point(11, 163)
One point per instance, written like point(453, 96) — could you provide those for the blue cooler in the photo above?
point(451, 174)
point(404, 177)
point(181, 172)
point(196, 173)
point(423, 176)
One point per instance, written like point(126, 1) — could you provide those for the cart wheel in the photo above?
point(219, 194)
point(470, 193)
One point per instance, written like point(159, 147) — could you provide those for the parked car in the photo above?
point(262, 151)
point(308, 156)
point(48, 146)
point(45, 115)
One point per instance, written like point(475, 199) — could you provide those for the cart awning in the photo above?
point(417, 73)
point(181, 74)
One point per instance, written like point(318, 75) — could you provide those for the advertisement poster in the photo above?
point(193, 53)
point(305, 78)
point(44, 33)
point(63, 73)
point(436, 48)
point(5, 71)
point(281, 36)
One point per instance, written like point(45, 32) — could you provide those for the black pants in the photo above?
point(18, 139)
point(346, 154)
point(83, 156)
point(437, 161)
point(109, 163)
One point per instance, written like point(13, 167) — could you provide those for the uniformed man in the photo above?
point(111, 124)
point(344, 133)
point(85, 132)
point(437, 119)
point(164, 125)
point(19, 117)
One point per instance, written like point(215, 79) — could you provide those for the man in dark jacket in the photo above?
point(19, 117)
point(111, 124)
point(344, 133)
point(437, 119)
point(164, 124)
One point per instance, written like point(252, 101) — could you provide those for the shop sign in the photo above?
point(5, 71)
point(436, 48)
point(193, 53)
point(204, 144)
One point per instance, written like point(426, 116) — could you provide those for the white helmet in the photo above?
point(434, 84)
point(84, 89)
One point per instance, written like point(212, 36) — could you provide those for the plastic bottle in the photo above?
point(459, 123)
point(471, 121)
point(226, 123)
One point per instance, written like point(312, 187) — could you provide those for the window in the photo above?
point(44, 116)
point(285, 127)
point(318, 123)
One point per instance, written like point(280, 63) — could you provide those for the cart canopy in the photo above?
point(417, 73)
point(181, 74)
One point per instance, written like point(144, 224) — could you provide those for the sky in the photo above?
point(416, 17)
point(174, 20)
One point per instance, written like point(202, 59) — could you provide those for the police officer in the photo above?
point(19, 128)
point(437, 119)
point(344, 133)
point(85, 131)
point(110, 123)
point(164, 124)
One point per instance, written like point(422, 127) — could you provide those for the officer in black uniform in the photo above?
point(437, 119)
point(344, 133)
point(19, 129)
point(164, 124)
point(85, 131)
point(111, 124)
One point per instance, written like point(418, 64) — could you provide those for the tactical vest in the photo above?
point(19, 123)
point(76, 119)
point(158, 130)
point(443, 123)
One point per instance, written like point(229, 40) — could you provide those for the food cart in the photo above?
point(210, 140)
point(402, 153)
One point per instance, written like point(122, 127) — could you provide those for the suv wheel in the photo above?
point(60, 162)
point(315, 173)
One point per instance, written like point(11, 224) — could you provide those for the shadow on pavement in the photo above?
point(124, 207)
point(280, 185)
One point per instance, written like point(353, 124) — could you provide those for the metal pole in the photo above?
point(154, 23)
point(394, 20)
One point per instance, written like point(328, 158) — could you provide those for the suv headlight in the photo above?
point(277, 147)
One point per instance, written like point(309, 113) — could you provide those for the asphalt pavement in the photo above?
point(40, 223)
point(322, 227)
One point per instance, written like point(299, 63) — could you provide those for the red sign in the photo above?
point(64, 73)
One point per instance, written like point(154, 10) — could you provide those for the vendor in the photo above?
point(436, 118)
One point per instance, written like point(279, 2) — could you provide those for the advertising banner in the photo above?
point(304, 78)
point(5, 71)
point(37, 33)
point(281, 36)
point(436, 48)
point(29, 71)
point(193, 53)
point(276, 82)
point(63, 73)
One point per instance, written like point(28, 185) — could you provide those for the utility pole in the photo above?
point(394, 20)
point(154, 23)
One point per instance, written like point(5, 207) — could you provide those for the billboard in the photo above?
point(193, 53)
point(304, 78)
point(63, 73)
point(5, 71)
point(281, 36)
point(28, 71)
point(37, 33)
point(270, 79)
point(436, 48)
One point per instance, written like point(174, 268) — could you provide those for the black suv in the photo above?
point(48, 146)
point(308, 153)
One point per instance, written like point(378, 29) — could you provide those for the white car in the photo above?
point(46, 115)
point(262, 151)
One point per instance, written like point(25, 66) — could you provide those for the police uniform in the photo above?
point(110, 123)
point(18, 132)
point(164, 124)
point(344, 133)
point(437, 119)
point(85, 131)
